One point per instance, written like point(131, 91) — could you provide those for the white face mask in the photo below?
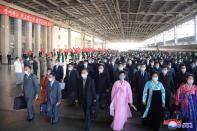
point(164, 71)
point(100, 70)
point(120, 68)
point(143, 69)
point(50, 79)
point(121, 77)
point(183, 70)
point(26, 72)
point(190, 82)
point(84, 76)
point(70, 68)
point(155, 79)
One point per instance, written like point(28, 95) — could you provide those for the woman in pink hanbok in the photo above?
point(121, 98)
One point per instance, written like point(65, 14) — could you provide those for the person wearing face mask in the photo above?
point(169, 86)
point(113, 67)
point(102, 83)
point(140, 79)
point(150, 67)
point(89, 67)
point(30, 91)
point(71, 78)
point(44, 85)
point(18, 70)
point(192, 70)
point(157, 67)
point(186, 98)
point(181, 76)
point(154, 100)
point(58, 70)
point(121, 68)
point(171, 70)
point(130, 68)
point(86, 96)
point(54, 98)
point(121, 97)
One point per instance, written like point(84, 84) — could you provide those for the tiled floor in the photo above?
point(71, 117)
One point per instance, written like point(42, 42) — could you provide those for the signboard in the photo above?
point(24, 16)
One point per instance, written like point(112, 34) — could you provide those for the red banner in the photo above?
point(24, 16)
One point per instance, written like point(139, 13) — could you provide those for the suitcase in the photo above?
point(43, 109)
point(19, 103)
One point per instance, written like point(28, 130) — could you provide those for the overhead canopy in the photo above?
point(114, 19)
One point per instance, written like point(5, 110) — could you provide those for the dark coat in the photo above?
point(87, 94)
point(102, 82)
point(139, 81)
point(59, 73)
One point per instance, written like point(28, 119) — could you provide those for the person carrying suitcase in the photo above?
point(30, 91)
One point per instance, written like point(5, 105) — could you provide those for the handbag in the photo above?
point(19, 103)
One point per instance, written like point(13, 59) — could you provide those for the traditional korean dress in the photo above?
point(119, 108)
point(187, 99)
point(44, 89)
point(153, 113)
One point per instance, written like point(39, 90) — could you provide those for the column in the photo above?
point(18, 37)
point(155, 41)
point(175, 35)
point(5, 35)
point(195, 28)
point(83, 39)
point(49, 38)
point(45, 38)
point(93, 46)
point(164, 39)
point(69, 38)
point(37, 39)
point(28, 28)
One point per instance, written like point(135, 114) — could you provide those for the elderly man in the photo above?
point(30, 90)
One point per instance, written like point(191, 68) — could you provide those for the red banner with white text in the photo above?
point(24, 16)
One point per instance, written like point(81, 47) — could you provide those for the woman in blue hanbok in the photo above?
point(187, 99)
point(154, 100)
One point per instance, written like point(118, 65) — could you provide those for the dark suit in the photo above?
point(112, 70)
point(30, 89)
point(71, 84)
point(181, 78)
point(35, 67)
point(139, 83)
point(86, 95)
point(53, 97)
point(168, 84)
point(116, 75)
point(59, 73)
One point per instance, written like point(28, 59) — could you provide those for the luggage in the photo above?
point(43, 109)
point(19, 103)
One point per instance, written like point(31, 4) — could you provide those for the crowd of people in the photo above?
point(164, 83)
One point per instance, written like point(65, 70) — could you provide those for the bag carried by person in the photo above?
point(19, 103)
point(43, 109)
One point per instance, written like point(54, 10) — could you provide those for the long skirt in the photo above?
point(155, 113)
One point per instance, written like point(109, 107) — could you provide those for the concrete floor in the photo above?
point(71, 118)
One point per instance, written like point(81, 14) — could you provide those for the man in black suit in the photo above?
point(72, 76)
point(140, 79)
point(181, 76)
point(35, 66)
point(86, 95)
point(166, 79)
point(59, 71)
point(102, 86)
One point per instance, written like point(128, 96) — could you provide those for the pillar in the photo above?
point(5, 35)
point(195, 28)
point(28, 28)
point(18, 37)
point(69, 38)
point(164, 38)
point(37, 39)
point(175, 35)
point(49, 38)
point(45, 38)
point(83, 40)
point(93, 46)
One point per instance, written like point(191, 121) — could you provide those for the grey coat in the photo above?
point(30, 86)
point(54, 93)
